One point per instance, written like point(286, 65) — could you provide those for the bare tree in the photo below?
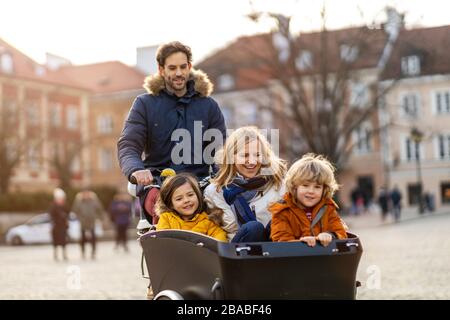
point(327, 83)
point(64, 159)
point(11, 144)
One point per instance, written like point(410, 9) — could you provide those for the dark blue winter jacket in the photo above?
point(154, 117)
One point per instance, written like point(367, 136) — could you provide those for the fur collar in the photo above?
point(155, 83)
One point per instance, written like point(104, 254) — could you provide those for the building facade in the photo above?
point(63, 121)
point(409, 64)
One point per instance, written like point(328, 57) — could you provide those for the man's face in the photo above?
point(176, 73)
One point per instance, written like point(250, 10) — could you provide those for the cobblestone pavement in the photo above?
point(29, 272)
point(407, 260)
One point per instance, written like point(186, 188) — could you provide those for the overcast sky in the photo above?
point(90, 31)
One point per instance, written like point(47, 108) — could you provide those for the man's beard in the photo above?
point(177, 87)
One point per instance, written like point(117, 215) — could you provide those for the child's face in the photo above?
point(248, 161)
point(309, 193)
point(185, 201)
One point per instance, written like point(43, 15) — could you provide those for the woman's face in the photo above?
point(185, 201)
point(309, 193)
point(248, 161)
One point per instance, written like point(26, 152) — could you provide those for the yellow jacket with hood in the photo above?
point(199, 223)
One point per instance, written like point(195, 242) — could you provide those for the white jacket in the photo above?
point(259, 203)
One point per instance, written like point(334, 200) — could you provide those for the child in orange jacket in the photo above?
point(307, 212)
point(181, 206)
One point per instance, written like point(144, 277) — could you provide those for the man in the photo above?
point(88, 209)
point(177, 103)
point(120, 215)
point(177, 97)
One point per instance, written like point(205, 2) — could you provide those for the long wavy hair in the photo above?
point(272, 166)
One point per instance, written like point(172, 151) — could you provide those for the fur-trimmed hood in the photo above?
point(155, 83)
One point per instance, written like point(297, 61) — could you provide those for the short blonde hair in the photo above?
point(312, 168)
point(273, 165)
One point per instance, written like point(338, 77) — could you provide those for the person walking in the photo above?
point(88, 210)
point(120, 214)
point(59, 216)
point(396, 198)
point(383, 201)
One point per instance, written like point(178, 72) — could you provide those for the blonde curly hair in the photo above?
point(312, 168)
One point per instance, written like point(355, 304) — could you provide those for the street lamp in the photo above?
point(417, 137)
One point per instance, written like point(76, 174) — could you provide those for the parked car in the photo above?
point(38, 230)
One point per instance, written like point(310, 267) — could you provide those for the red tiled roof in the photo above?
point(104, 77)
point(26, 68)
point(246, 58)
point(430, 44)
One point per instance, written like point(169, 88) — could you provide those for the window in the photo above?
point(410, 105)
point(225, 82)
point(9, 110)
point(443, 146)
point(75, 166)
point(442, 102)
point(39, 71)
point(359, 94)
point(349, 53)
point(72, 117)
point(55, 114)
point(33, 156)
point(410, 65)
point(362, 139)
point(12, 151)
point(104, 124)
point(105, 159)
point(412, 150)
point(304, 61)
point(445, 192)
point(6, 63)
point(33, 113)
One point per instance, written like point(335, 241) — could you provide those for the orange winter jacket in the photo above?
point(289, 222)
point(199, 223)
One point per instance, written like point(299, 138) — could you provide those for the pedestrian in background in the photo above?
point(383, 201)
point(120, 211)
point(59, 215)
point(396, 198)
point(88, 209)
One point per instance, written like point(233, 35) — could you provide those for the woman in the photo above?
point(249, 179)
point(59, 214)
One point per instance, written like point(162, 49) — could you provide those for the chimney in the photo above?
point(146, 59)
point(394, 22)
point(54, 62)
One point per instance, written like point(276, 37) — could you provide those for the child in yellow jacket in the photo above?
point(181, 206)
